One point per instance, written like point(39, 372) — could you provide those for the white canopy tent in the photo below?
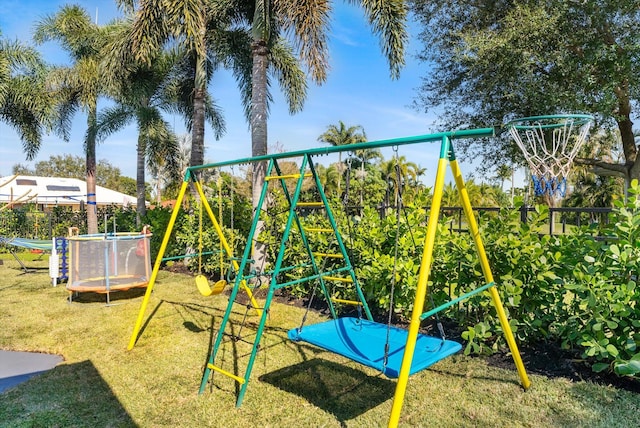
point(56, 191)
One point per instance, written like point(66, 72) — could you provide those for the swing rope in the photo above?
point(311, 298)
point(202, 282)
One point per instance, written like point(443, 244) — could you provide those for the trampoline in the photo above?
point(103, 263)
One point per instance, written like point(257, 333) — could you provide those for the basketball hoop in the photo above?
point(550, 144)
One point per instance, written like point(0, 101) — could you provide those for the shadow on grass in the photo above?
point(114, 296)
point(335, 388)
point(69, 395)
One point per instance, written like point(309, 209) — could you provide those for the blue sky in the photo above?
point(358, 91)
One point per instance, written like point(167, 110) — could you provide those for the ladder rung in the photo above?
point(329, 256)
point(320, 230)
point(282, 177)
point(238, 379)
point(337, 279)
point(346, 302)
point(309, 204)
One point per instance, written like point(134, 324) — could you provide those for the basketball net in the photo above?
point(550, 144)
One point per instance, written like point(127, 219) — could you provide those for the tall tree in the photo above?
point(142, 91)
point(517, 58)
point(25, 104)
point(202, 29)
point(156, 22)
point(307, 23)
point(79, 84)
point(400, 175)
point(341, 135)
point(505, 172)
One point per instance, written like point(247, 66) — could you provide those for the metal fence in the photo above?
point(560, 219)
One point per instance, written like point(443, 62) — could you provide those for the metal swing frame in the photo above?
point(410, 336)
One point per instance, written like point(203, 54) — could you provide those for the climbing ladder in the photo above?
point(338, 272)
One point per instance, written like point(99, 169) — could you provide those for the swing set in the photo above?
point(396, 352)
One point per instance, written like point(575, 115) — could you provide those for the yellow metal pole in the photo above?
point(486, 269)
point(225, 244)
point(421, 292)
point(156, 266)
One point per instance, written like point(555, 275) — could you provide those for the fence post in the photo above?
point(523, 213)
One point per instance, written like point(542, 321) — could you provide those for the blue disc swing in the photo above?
point(373, 344)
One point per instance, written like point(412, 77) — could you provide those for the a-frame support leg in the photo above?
point(447, 155)
point(488, 275)
point(234, 292)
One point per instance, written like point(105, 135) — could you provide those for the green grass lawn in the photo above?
point(156, 384)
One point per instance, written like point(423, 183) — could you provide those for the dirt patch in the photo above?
point(548, 359)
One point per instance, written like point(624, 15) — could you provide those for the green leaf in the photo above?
point(599, 367)
point(614, 249)
point(628, 368)
point(612, 350)
point(630, 345)
point(589, 259)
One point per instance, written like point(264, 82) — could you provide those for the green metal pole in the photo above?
point(343, 249)
point(303, 235)
point(320, 151)
point(273, 284)
point(234, 292)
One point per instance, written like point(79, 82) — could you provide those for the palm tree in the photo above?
point(157, 22)
point(25, 104)
point(329, 178)
point(142, 91)
point(79, 85)
point(341, 135)
point(203, 29)
point(164, 175)
point(505, 172)
point(267, 23)
point(140, 98)
point(401, 175)
point(308, 23)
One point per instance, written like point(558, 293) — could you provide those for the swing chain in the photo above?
point(395, 268)
point(347, 183)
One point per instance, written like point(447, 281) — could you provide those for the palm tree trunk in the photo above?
point(258, 136)
point(141, 208)
point(92, 207)
point(197, 138)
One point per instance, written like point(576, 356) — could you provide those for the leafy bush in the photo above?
point(602, 314)
point(571, 289)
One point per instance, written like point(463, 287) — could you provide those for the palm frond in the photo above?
point(150, 29)
point(112, 119)
point(308, 21)
point(388, 20)
point(261, 26)
point(73, 28)
point(285, 66)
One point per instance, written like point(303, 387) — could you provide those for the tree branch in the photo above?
point(603, 168)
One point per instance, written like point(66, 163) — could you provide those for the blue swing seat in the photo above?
point(364, 341)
